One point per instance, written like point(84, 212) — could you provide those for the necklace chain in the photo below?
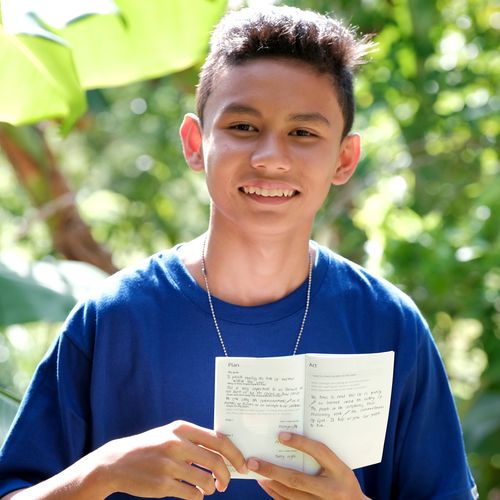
point(212, 310)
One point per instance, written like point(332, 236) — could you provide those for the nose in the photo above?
point(271, 154)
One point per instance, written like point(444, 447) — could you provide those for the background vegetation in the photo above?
point(422, 210)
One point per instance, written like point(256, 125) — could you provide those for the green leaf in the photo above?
point(8, 409)
point(38, 81)
point(49, 53)
point(43, 290)
point(148, 40)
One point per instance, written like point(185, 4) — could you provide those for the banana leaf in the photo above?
point(52, 51)
point(43, 291)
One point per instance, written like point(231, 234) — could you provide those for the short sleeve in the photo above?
point(49, 432)
point(430, 452)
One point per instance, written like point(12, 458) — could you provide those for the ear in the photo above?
point(350, 150)
point(191, 137)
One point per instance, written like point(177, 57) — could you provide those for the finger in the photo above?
point(193, 454)
point(280, 491)
point(215, 441)
point(291, 478)
point(266, 486)
point(326, 458)
point(194, 475)
point(179, 489)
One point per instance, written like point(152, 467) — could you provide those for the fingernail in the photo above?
point(253, 464)
point(285, 436)
point(219, 487)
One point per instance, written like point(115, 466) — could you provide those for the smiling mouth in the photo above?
point(269, 193)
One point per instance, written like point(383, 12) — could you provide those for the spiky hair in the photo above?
point(321, 41)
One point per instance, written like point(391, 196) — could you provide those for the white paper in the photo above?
point(341, 400)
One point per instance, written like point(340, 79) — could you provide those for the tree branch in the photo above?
point(37, 171)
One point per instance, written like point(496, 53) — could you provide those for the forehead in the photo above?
point(278, 85)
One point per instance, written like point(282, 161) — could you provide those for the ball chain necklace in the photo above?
point(212, 310)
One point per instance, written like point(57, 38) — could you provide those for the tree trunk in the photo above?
point(37, 171)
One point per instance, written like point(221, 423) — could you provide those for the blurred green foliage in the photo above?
point(422, 210)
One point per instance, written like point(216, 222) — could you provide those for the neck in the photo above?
point(249, 270)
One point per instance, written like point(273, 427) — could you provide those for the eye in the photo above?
point(243, 127)
point(302, 133)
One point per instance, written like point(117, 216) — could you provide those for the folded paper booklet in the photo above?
point(341, 400)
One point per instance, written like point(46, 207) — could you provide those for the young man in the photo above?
point(124, 400)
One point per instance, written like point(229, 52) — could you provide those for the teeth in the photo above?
point(268, 192)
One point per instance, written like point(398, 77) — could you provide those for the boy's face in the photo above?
point(271, 145)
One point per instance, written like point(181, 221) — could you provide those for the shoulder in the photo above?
point(372, 313)
point(136, 282)
point(130, 294)
point(356, 282)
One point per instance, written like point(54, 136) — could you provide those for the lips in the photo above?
point(269, 192)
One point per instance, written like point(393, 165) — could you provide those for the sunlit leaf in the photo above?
point(38, 81)
point(43, 290)
point(148, 39)
point(50, 51)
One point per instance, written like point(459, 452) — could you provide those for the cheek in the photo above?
point(318, 181)
point(318, 170)
point(221, 154)
point(219, 171)
point(322, 191)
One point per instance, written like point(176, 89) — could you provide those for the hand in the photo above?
point(159, 462)
point(335, 480)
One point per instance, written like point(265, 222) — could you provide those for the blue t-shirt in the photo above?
point(141, 352)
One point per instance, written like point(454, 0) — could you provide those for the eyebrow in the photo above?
point(298, 117)
point(309, 117)
point(240, 108)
